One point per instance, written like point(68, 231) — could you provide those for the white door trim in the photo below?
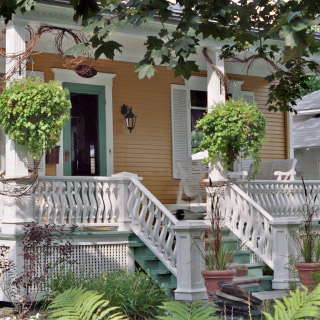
point(101, 79)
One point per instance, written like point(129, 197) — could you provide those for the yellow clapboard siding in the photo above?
point(147, 151)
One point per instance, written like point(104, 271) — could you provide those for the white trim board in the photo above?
point(101, 79)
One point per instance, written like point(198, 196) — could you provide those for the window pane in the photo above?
point(196, 136)
point(198, 98)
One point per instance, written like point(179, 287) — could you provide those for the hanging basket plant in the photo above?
point(233, 129)
point(32, 113)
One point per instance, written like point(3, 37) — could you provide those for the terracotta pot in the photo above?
point(306, 271)
point(211, 279)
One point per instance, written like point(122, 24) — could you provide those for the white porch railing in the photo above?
point(282, 199)
point(121, 200)
point(77, 201)
point(250, 223)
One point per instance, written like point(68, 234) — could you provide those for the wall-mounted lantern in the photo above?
point(129, 116)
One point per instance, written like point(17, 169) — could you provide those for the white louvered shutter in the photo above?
point(41, 168)
point(180, 126)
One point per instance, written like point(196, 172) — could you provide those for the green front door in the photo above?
point(84, 135)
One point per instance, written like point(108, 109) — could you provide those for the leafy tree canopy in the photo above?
point(243, 24)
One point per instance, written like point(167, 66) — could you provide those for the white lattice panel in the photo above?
point(90, 260)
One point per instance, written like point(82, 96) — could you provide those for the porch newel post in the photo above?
point(190, 263)
point(283, 249)
point(124, 219)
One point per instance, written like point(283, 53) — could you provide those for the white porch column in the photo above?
point(190, 263)
point(283, 248)
point(216, 94)
point(16, 155)
point(215, 88)
point(16, 211)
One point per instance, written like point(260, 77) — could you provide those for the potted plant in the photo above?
point(217, 255)
point(231, 130)
point(32, 113)
point(308, 241)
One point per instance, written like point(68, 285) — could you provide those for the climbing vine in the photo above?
point(32, 113)
point(233, 129)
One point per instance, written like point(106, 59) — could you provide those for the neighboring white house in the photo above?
point(306, 136)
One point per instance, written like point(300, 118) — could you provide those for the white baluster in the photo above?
point(56, 201)
point(114, 202)
point(100, 204)
point(93, 202)
point(72, 204)
point(107, 215)
point(85, 200)
point(49, 203)
point(64, 202)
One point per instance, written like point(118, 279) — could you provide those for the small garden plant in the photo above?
point(32, 113)
point(22, 284)
point(137, 296)
point(233, 129)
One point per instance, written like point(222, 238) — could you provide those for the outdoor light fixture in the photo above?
point(129, 116)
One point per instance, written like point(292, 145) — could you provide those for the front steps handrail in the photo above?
point(249, 222)
point(153, 223)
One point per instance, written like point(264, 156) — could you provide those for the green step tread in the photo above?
point(150, 258)
point(155, 272)
point(135, 244)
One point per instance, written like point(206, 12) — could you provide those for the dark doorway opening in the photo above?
point(84, 135)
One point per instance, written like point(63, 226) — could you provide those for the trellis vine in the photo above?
point(32, 113)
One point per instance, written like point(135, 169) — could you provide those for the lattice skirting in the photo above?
point(90, 260)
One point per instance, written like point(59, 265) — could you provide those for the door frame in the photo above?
point(102, 153)
point(101, 79)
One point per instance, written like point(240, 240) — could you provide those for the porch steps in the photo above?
point(250, 276)
point(147, 261)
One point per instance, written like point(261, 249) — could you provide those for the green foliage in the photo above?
point(242, 24)
point(235, 128)
point(188, 311)
point(299, 305)
point(313, 84)
point(135, 293)
point(32, 113)
point(82, 304)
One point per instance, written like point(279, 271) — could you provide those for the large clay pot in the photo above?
point(306, 271)
point(211, 279)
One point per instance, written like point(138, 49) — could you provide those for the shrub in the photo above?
point(135, 293)
point(233, 129)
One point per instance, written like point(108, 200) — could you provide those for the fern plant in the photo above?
point(82, 304)
point(188, 311)
point(299, 305)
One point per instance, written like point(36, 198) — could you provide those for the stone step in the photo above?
point(254, 284)
point(271, 294)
